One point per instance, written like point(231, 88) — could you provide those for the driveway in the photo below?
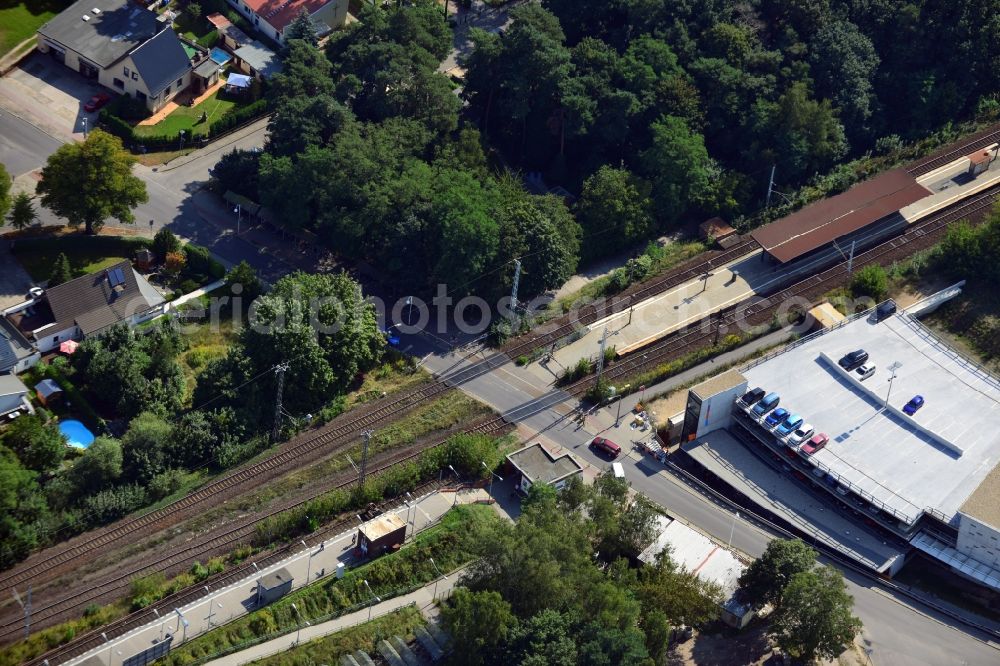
point(49, 95)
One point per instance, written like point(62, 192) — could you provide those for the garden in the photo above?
point(20, 20)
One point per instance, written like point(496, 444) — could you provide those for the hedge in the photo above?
point(200, 261)
point(235, 117)
point(125, 246)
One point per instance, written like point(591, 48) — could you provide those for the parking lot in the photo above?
point(50, 95)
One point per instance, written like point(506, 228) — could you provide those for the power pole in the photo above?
point(26, 606)
point(850, 259)
point(279, 370)
point(770, 186)
point(367, 434)
point(513, 291)
point(600, 357)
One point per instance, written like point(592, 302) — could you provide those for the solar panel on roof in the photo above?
point(116, 277)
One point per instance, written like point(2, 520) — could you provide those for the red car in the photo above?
point(96, 102)
point(817, 442)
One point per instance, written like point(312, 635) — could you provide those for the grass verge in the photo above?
point(20, 20)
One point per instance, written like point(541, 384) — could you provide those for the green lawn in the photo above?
point(86, 254)
point(39, 263)
point(188, 118)
point(20, 20)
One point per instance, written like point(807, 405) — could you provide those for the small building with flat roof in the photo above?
point(535, 464)
point(274, 585)
point(709, 404)
point(381, 535)
point(824, 316)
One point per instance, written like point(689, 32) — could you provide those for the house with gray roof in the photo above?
point(122, 46)
point(13, 399)
point(86, 306)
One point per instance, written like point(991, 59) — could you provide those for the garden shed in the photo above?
point(48, 392)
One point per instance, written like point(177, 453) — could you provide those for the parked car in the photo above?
point(776, 417)
point(605, 446)
point(853, 359)
point(885, 310)
point(915, 403)
point(789, 425)
point(96, 102)
point(865, 371)
point(815, 443)
point(766, 404)
point(751, 397)
point(801, 433)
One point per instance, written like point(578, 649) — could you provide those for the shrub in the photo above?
point(164, 243)
point(174, 263)
point(187, 286)
point(166, 483)
point(870, 281)
point(200, 261)
point(113, 503)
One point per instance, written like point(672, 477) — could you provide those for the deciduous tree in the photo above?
point(88, 182)
point(814, 619)
point(764, 580)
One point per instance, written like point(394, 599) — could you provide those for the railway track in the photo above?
point(231, 537)
point(979, 140)
point(760, 309)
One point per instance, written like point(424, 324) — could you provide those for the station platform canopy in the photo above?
point(824, 221)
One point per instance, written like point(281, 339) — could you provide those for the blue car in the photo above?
point(789, 424)
point(767, 403)
point(915, 403)
point(776, 417)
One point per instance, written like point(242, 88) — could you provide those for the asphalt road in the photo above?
point(175, 197)
point(897, 631)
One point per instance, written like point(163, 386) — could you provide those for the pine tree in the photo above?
point(22, 213)
point(302, 28)
point(61, 271)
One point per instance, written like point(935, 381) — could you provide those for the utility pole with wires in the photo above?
point(367, 434)
point(26, 606)
point(847, 255)
point(770, 187)
point(279, 370)
point(600, 357)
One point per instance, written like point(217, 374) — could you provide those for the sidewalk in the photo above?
point(423, 598)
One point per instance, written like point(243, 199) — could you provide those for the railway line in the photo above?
point(53, 562)
point(232, 536)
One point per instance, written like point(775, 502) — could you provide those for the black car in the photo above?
point(853, 359)
point(885, 310)
point(751, 397)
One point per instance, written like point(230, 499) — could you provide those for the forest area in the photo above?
point(655, 115)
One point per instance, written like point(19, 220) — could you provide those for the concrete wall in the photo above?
point(717, 410)
point(979, 540)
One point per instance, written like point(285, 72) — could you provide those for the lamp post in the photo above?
point(180, 136)
point(440, 576)
point(456, 490)
point(238, 210)
point(412, 502)
point(183, 622)
point(298, 624)
point(492, 474)
point(374, 596)
point(309, 564)
point(108, 642)
point(157, 614)
point(732, 529)
point(85, 128)
point(896, 365)
point(621, 396)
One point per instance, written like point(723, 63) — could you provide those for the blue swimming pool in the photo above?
point(220, 56)
point(76, 433)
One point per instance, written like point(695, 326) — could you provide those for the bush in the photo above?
point(870, 281)
point(112, 504)
point(187, 286)
point(200, 261)
point(164, 243)
point(166, 483)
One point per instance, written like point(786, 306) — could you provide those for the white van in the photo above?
point(618, 470)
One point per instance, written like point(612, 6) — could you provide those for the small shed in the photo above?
point(48, 392)
point(535, 464)
point(979, 161)
point(382, 534)
point(274, 585)
point(824, 316)
point(237, 83)
point(145, 259)
point(715, 230)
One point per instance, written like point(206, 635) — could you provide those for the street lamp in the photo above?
point(309, 564)
point(441, 575)
point(108, 642)
point(300, 621)
point(456, 490)
point(374, 596)
point(183, 621)
point(238, 210)
point(732, 529)
point(180, 136)
point(621, 396)
point(85, 127)
point(896, 365)
point(412, 502)
point(492, 474)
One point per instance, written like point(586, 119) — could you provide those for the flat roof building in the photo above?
point(535, 464)
point(826, 220)
point(381, 534)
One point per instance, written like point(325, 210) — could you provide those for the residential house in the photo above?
point(13, 399)
point(122, 46)
point(271, 17)
point(86, 306)
point(17, 354)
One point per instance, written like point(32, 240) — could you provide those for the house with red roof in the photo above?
point(271, 17)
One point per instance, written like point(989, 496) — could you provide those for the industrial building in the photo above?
point(887, 482)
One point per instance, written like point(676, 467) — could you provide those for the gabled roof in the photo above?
point(11, 385)
point(105, 36)
point(161, 61)
point(13, 345)
point(98, 300)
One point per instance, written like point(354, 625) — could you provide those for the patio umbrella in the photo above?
point(69, 346)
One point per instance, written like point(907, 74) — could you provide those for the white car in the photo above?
point(800, 434)
point(865, 371)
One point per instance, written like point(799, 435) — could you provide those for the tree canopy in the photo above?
point(814, 619)
point(764, 580)
point(88, 182)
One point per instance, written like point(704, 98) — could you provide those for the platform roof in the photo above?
point(933, 461)
point(824, 221)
